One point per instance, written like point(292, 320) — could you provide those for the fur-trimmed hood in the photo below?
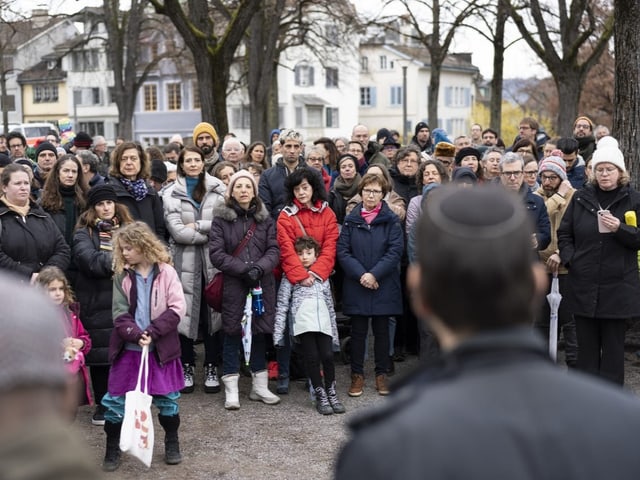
point(230, 214)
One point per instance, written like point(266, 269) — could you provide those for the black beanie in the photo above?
point(82, 140)
point(158, 171)
point(420, 126)
point(466, 152)
point(46, 146)
point(100, 193)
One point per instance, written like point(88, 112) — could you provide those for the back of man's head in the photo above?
point(31, 333)
point(475, 259)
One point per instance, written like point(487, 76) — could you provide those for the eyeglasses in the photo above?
point(367, 191)
point(531, 173)
point(548, 178)
point(524, 127)
point(15, 145)
point(354, 152)
point(315, 159)
point(607, 170)
point(512, 174)
point(583, 126)
point(409, 161)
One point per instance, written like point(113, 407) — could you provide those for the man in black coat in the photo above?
point(494, 406)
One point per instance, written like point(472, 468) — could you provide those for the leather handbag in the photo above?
point(213, 290)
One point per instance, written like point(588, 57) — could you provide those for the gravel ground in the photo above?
point(286, 441)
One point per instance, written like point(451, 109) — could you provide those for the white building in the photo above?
point(381, 84)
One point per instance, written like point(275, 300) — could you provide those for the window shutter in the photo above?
point(311, 77)
point(296, 72)
point(447, 98)
point(372, 91)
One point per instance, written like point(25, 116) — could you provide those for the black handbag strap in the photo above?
point(245, 240)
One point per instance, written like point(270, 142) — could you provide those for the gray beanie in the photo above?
point(31, 333)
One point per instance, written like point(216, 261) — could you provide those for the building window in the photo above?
point(332, 77)
point(92, 128)
point(457, 97)
point(332, 117)
point(395, 96)
point(383, 62)
point(112, 95)
point(364, 64)
point(45, 93)
point(240, 117)
point(150, 98)
point(174, 96)
point(195, 92)
point(95, 96)
point(304, 76)
point(314, 116)
point(367, 96)
point(85, 60)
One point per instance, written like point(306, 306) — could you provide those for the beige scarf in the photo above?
point(22, 211)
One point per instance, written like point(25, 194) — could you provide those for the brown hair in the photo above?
point(51, 274)
point(140, 237)
point(201, 186)
point(51, 200)
point(116, 159)
point(370, 178)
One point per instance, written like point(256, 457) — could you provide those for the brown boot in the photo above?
point(381, 384)
point(357, 383)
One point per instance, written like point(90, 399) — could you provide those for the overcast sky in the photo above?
point(519, 60)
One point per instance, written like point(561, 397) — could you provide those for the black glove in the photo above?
point(251, 276)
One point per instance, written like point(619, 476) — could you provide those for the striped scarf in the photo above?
point(105, 229)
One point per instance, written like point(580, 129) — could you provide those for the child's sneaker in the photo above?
point(187, 368)
point(211, 382)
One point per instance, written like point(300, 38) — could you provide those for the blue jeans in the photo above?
point(167, 404)
point(231, 353)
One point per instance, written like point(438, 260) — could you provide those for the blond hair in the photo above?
point(139, 236)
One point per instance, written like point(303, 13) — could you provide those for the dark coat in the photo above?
point(271, 188)
point(603, 267)
point(94, 288)
point(228, 228)
point(577, 176)
point(377, 249)
point(148, 210)
point(404, 186)
point(494, 408)
point(28, 246)
point(539, 216)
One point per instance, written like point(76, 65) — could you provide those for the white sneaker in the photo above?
point(211, 382)
point(188, 378)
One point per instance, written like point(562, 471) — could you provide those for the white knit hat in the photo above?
point(608, 153)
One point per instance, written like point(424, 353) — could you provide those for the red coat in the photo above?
point(75, 329)
point(320, 223)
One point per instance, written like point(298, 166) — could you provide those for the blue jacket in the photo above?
point(539, 216)
point(377, 249)
point(576, 176)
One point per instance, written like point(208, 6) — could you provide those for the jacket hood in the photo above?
point(229, 214)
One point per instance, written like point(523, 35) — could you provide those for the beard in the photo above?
point(206, 149)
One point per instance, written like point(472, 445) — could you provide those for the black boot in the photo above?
point(332, 396)
point(170, 424)
point(112, 456)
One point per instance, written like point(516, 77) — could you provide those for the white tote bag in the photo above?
point(136, 437)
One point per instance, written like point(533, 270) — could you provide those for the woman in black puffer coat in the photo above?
point(92, 256)
point(251, 267)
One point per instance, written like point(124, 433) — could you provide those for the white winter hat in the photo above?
point(607, 141)
point(608, 153)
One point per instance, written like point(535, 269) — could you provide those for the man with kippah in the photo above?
point(494, 406)
point(206, 139)
point(35, 442)
point(556, 190)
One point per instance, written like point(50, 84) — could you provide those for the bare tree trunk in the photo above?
point(434, 90)
point(495, 104)
point(569, 85)
point(5, 108)
point(626, 111)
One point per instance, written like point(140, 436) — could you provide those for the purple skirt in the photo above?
point(163, 379)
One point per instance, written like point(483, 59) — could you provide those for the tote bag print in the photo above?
point(137, 427)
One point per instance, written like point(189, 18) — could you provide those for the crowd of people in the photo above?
point(311, 228)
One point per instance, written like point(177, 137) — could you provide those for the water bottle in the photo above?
point(256, 301)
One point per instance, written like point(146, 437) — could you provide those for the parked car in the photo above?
point(33, 132)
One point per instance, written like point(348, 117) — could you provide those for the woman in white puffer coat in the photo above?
point(188, 207)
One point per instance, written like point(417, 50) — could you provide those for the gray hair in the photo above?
point(319, 149)
point(290, 134)
point(491, 150)
point(87, 157)
point(509, 158)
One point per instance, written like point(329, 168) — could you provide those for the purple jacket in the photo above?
point(167, 307)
